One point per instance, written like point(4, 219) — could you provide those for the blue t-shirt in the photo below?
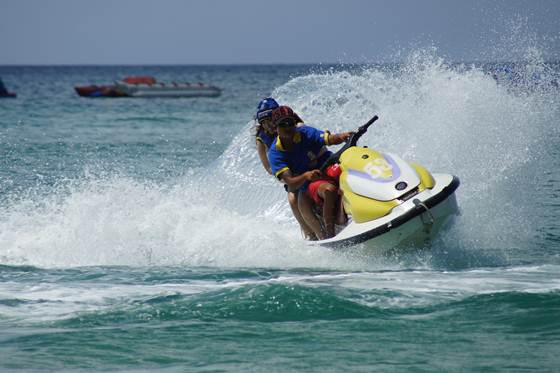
point(265, 138)
point(308, 152)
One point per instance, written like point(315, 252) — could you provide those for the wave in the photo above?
point(132, 295)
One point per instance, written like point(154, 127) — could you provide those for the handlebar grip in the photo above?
point(370, 122)
point(364, 127)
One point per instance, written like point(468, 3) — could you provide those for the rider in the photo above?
point(265, 135)
point(265, 132)
point(295, 157)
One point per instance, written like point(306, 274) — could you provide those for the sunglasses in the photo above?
point(287, 122)
point(265, 121)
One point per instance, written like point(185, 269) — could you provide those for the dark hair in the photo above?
point(298, 118)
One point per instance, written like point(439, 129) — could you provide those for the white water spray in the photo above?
point(450, 119)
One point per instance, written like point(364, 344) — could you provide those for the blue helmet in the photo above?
point(264, 110)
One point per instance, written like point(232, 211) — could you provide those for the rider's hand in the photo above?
point(346, 135)
point(339, 138)
point(312, 175)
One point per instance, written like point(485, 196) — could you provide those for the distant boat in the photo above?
point(147, 86)
point(4, 92)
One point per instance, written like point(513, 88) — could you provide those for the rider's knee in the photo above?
point(292, 199)
point(330, 191)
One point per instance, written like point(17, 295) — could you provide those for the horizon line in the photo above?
point(245, 63)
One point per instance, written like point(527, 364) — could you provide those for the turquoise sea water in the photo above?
point(143, 234)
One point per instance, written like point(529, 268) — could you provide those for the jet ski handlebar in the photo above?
point(352, 141)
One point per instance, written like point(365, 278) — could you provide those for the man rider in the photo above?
point(295, 157)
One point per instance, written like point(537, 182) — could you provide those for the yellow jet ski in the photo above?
point(389, 202)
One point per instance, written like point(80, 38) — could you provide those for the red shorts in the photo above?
point(313, 187)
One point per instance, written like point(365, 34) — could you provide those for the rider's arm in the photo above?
point(295, 182)
point(325, 137)
point(262, 151)
point(337, 138)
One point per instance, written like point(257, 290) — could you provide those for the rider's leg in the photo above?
point(305, 204)
point(293, 201)
point(329, 194)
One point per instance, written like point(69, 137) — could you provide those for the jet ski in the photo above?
point(389, 202)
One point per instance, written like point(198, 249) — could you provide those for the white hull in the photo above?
point(163, 90)
point(408, 223)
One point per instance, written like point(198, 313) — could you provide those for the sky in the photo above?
point(139, 32)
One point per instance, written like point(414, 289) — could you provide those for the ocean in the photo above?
point(144, 235)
